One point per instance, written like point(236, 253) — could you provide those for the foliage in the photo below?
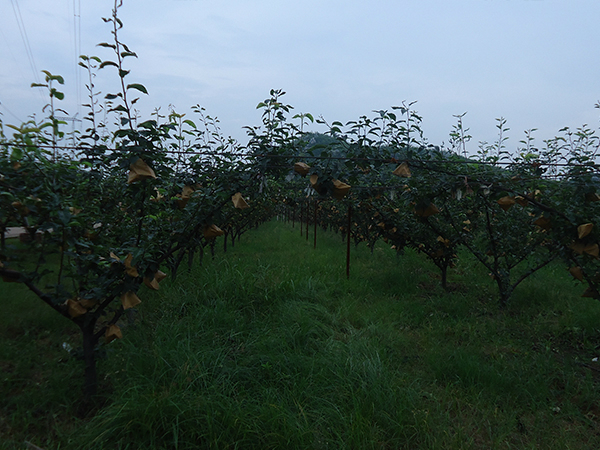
point(113, 217)
point(143, 196)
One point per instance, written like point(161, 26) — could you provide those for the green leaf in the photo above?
point(190, 123)
point(107, 45)
point(126, 54)
point(57, 94)
point(139, 87)
point(108, 63)
point(17, 153)
point(64, 216)
point(121, 133)
point(119, 108)
point(123, 73)
point(149, 124)
point(111, 96)
point(38, 85)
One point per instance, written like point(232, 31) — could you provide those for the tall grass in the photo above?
point(270, 346)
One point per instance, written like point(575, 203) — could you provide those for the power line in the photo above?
point(8, 47)
point(77, 50)
point(25, 39)
point(11, 113)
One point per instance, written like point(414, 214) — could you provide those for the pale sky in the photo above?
point(534, 62)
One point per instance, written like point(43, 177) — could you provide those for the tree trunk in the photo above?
point(444, 269)
point(90, 384)
point(505, 291)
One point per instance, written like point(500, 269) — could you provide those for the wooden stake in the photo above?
point(316, 205)
point(301, 233)
point(348, 242)
point(307, 218)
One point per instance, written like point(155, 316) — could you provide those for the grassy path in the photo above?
point(269, 346)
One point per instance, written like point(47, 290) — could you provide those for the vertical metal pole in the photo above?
point(307, 217)
point(348, 242)
point(316, 205)
point(301, 233)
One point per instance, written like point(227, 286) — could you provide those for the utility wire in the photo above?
point(77, 50)
point(11, 113)
point(25, 39)
point(9, 47)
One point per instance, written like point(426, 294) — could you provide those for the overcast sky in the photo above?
point(534, 62)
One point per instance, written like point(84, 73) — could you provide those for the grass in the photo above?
point(37, 374)
point(270, 346)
